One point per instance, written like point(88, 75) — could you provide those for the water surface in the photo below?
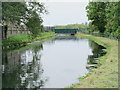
point(56, 63)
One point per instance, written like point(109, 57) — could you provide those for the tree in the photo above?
point(105, 17)
point(13, 12)
point(96, 13)
point(113, 18)
point(27, 13)
point(33, 19)
point(36, 26)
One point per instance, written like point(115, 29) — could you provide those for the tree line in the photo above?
point(104, 17)
point(72, 26)
point(26, 13)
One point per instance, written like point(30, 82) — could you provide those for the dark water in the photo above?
point(54, 64)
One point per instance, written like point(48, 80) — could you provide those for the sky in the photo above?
point(65, 12)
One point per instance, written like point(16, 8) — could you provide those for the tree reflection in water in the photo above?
point(97, 51)
point(23, 69)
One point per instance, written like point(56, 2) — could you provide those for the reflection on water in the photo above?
point(97, 51)
point(23, 69)
point(54, 64)
point(66, 38)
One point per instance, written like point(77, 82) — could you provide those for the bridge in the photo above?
point(66, 31)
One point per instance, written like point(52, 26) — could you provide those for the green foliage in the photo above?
point(13, 11)
point(112, 18)
point(96, 13)
point(34, 21)
point(71, 26)
point(35, 28)
point(28, 14)
point(105, 17)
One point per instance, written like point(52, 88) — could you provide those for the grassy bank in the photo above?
point(20, 40)
point(105, 76)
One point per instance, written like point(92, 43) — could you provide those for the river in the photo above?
point(56, 63)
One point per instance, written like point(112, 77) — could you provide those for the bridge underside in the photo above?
point(65, 31)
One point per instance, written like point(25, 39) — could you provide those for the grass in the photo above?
point(16, 39)
point(28, 46)
point(44, 35)
point(19, 40)
point(105, 76)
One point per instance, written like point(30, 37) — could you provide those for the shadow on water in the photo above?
point(24, 69)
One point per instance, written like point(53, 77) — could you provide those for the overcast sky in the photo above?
point(62, 13)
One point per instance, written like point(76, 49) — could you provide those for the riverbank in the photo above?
point(20, 40)
point(105, 76)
